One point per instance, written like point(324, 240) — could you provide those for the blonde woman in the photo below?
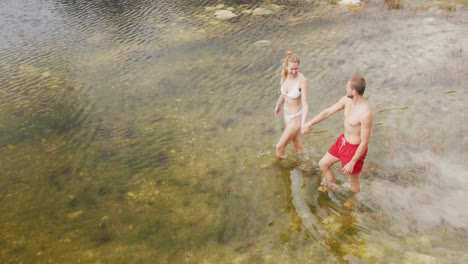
point(294, 96)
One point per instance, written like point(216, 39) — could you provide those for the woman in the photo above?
point(294, 95)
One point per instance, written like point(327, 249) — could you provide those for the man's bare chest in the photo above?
point(352, 117)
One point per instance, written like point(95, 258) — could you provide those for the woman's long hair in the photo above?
point(288, 57)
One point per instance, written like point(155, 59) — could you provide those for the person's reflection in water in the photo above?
point(330, 224)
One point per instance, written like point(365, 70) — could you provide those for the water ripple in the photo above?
point(124, 111)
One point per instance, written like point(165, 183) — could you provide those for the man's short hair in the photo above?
point(358, 84)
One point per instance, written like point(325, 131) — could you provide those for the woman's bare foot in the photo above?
point(280, 154)
point(281, 157)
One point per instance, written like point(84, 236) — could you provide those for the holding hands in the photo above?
point(305, 128)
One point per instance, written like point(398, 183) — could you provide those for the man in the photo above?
point(351, 147)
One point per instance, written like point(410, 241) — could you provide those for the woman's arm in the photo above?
point(278, 105)
point(304, 100)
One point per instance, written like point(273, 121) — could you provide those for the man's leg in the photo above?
point(325, 165)
point(354, 182)
point(355, 189)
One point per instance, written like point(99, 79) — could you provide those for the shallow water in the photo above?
point(142, 132)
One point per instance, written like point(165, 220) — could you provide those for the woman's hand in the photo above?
point(277, 110)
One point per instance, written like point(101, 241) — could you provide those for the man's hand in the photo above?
point(348, 168)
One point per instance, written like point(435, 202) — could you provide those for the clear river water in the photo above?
point(144, 132)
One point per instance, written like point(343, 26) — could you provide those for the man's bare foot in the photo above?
point(349, 204)
point(323, 188)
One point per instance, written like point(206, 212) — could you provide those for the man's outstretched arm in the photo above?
point(325, 114)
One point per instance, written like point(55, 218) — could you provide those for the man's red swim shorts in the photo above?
point(345, 152)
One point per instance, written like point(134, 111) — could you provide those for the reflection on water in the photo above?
point(142, 131)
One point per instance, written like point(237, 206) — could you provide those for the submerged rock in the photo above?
point(417, 258)
point(74, 214)
point(46, 74)
point(260, 11)
point(429, 20)
point(350, 2)
point(275, 7)
point(262, 43)
point(224, 14)
point(210, 8)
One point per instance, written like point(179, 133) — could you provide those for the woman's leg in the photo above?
point(297, 142)
point(292, 128)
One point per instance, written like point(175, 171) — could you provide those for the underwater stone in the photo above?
point(269, 131)
point(224, 14)
point(417, 258)
point(275, 7)
point(429, 20)
point(350, 2)
point(229, 123)
point(46, 74)
point(170, 87)
point(262, 43)
point(243, 111)
point(214, 22)
point(260, 11)
point(75, 214)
